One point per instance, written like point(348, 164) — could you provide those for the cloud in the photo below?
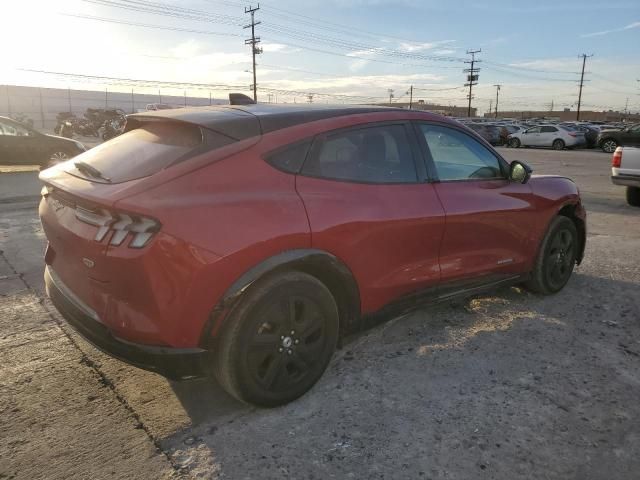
point(420, 47)
point(444, 51)
point(273, 47)
point(607, 32)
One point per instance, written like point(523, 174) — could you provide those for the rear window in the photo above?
point(146, 150)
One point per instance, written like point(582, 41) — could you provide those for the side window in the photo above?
point(533, 130)
point(13, 130)
point(549, 129)
point(372, 155)
point(290, 158)
point(458, 156)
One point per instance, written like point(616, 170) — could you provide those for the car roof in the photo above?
point(245, 121)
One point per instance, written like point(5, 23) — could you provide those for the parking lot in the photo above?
point(502, 386)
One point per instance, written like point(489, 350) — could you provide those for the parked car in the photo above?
point(556, 137)
point(244, 240)
point(22, 145)
point(491, 135)
point(610, 139)
point(625, 170)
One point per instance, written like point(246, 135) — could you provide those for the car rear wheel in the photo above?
point(558, 144)
point(633, 196)
point(514, 143)
point(609, 145)
point(279, 340)
point(556, 258)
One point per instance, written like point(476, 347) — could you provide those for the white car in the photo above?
point(625, 170)
point(557, 137)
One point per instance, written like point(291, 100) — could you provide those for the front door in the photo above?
point(369, 204)
point(489, 219)
point(531, 137)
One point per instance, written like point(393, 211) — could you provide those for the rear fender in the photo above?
point(329, 269)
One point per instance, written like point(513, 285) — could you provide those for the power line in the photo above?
point(472, 77)
point(584, 61)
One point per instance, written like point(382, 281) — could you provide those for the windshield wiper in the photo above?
point(84, 167)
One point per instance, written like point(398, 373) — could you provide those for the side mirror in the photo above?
point(519, 172)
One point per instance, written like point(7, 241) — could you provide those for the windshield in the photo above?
point(140, 152)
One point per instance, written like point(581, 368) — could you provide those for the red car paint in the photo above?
point(225, 211)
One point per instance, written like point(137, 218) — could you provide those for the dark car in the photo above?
point(22, 145)
point(243, 241)
point(610, 139)
point(490, 133)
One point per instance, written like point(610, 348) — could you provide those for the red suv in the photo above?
point(245, 240)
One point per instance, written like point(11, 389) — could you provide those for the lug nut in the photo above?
point(280, 349)
point(281, 337)
point(289, 352)
point(297, 341)
point(292, 332)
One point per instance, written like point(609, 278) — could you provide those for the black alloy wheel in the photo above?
point(280, 340)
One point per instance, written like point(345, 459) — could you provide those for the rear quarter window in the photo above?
point(290, 158)
point(147, 150)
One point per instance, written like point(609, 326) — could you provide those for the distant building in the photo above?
point(448, 110)
point(567, 115)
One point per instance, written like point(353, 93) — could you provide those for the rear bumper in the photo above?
point(626, 180)
point(173, 363)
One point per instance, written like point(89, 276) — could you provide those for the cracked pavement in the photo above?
point(502, 386)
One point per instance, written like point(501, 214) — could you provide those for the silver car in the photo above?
point(557, 137)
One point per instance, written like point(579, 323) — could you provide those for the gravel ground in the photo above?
point(501, 386)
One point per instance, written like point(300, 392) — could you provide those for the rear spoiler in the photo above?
point(240, 99)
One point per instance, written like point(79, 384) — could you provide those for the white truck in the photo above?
point(625, 170)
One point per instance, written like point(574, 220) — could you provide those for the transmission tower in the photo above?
point(253, 41)
point(472, 76)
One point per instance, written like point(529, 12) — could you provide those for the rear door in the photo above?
point(489, 219)
point(548, 135)
point(369, 203)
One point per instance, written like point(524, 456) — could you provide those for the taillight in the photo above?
point(571, 134)
point(616, 161)
point(121, 225)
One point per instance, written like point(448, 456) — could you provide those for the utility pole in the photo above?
point(497, 95)
point(472, 75)
point(411, 97)
point(584, 61)
point(551, 108)
point(253, 41)
point(106, 98)
point(133, 103)
point(390, 95)
point(490, 106)
point(310, 98)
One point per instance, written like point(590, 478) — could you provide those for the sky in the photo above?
point(341, 51)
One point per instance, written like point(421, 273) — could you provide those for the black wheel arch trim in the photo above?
point(323, 265)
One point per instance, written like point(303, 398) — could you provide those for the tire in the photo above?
point(558, 144)
point(514, 143)
point(556, 257)
point(278, 341)
point(633, 196)
point(609, 145)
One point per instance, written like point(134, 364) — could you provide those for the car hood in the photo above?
point(610, 130)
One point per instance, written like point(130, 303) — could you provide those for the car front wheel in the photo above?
point(514, 143)
point(556, 258)
point(558, 144)
point(279, 340)
point(55, 157)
